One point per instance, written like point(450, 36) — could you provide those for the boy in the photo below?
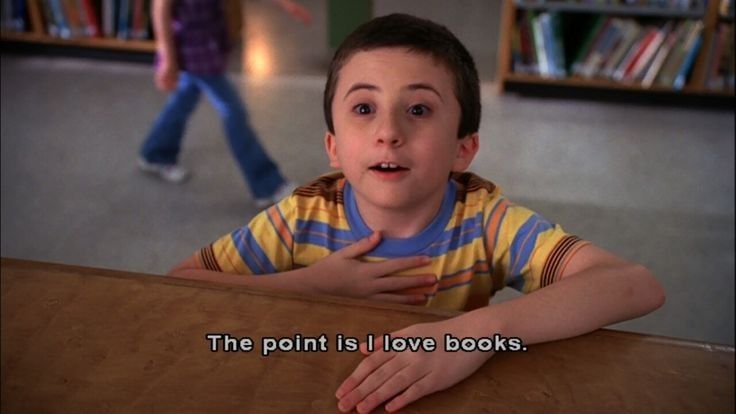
point(402, 108)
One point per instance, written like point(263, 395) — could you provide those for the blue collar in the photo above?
point(400, 247)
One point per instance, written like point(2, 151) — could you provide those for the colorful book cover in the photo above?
point(651, 33)
point(58, 14)
point(540, 47)
point(687, 64)
point(124, 20)
point(630, 31)
point(93, 20)
point(667, 46)
point(648, 54)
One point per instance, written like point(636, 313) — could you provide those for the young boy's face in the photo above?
point(396, 119)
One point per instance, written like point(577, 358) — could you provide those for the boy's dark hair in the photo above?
point(419, 35)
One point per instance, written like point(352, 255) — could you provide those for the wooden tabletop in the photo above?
point(78, 339)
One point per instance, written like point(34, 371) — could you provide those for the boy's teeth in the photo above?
point(388, 165)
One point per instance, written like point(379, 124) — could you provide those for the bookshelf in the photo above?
point(668, 48)
point(95, 25)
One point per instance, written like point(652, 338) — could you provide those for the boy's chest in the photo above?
point(459, 263)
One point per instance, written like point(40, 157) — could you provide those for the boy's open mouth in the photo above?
point(388, 167)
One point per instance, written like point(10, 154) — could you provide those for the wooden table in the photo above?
point(79, 339)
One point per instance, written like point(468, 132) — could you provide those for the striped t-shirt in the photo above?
point(478, 243)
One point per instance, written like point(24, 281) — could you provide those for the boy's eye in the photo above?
point(362, 109)
point(419, 110)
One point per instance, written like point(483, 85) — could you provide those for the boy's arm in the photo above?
point(167, 71)
point(595, 290)
point(342, 274)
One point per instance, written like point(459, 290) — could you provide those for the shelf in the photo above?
point(605, 84)
point(88, 42)
point(694, 91)
point(650, 11)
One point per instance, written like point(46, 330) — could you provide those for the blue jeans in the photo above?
point(163, 143)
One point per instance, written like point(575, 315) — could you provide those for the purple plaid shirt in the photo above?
point(200, 33)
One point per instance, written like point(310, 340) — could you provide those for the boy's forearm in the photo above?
point(161, 21)
point(578, 304)
point(293, 281)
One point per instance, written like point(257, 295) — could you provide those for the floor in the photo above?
point(651, 184)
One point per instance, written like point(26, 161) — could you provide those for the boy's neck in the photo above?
point(400, 222)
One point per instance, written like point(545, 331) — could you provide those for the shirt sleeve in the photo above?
point(264, 246)
point(527, 252)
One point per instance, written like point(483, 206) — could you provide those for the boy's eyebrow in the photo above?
point(359, 86)
point(411, 87)
point(424, 86)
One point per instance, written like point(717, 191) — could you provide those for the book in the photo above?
point(648, 54)
point(631, 54)
point(57, 12)
point(612, 36)
point(553, 47)
point(527, 59)
point(687, 63)
point(630, 32)
point(51, 28)
point(123, 31)
point(18, 17)
point(93, 20)
point(593, 36)
point(108, 18)
point(628, 72)
point(539, 45)
point(72, 17)
point(672, 38)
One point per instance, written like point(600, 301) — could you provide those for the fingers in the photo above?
point(416, 391)
point(415, 299)
point(361, 247)
point(367, 366)
point(401, 380)
point(396, 265)
point(367, 394)
point(395, 283)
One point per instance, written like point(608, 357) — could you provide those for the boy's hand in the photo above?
point(167, 76)
point(383, 376)
point(343, 273)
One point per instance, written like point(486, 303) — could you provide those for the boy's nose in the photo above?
point(389, 132)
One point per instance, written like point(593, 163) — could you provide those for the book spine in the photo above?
point(649, 37)
point(58, 14)
point(647, 55)
point(93, 21)
point(124, 20)
point(631, 31)
point(661, 56)
point(540, 47)
point(687, 64)
point(589, 44)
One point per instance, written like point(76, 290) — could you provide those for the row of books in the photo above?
point(662, 4)
point(625, 51)
point(69, 19)
point(622, 50)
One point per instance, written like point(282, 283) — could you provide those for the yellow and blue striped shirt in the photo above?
point(479, 242)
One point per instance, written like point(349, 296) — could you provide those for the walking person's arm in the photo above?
point(167, 71)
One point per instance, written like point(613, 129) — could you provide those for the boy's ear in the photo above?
point(331, 149)
point(467, 147)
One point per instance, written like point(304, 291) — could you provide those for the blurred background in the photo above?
point(646, 174)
